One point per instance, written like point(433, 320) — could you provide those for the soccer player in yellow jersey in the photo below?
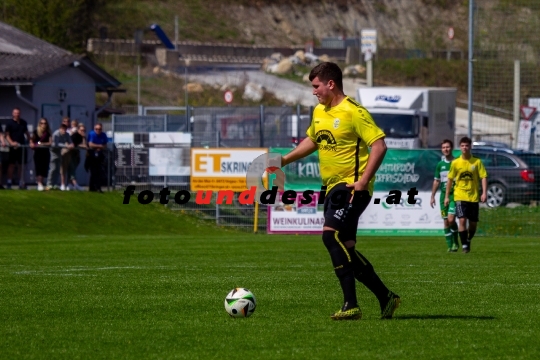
point(342, 130)
point(467, 172)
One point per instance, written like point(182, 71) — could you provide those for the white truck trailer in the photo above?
point(412, 117)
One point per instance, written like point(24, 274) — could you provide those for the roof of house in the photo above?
point(25, 58)
point(16, 41)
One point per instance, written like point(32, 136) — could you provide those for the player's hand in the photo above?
point(432, 202)
point(446, 201)
point(483, 198)
point(358, 186)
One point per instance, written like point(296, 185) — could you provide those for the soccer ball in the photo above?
point(240, 302)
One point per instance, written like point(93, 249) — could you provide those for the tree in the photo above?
point(65, 23)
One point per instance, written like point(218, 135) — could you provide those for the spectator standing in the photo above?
point(60, 141)
point(74, 127)
point(40, 141)
point(2, 144)
point(65, 155)
point(78, 139)
point(16, 135)
point(97, 145)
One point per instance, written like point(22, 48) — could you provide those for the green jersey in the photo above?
point(441, 174)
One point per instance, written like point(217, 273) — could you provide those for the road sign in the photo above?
point(228, 96)
point(451, 33)
point(527, 111)
point(368, 40)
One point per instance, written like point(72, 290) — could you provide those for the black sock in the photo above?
point(463, 238)
point(364, 272)
point(348, 286)
point(471, 234)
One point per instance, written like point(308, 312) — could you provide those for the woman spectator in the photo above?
point(74, 127)
point(79, 142)
point(40, 142)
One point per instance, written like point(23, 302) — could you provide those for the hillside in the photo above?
point(400, 23)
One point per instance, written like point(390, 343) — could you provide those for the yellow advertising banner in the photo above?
point(221, 169)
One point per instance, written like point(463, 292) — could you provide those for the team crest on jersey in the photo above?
point(336, 123)
point(326, 141)
point(466, 176)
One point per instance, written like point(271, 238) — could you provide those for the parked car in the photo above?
point(513, 175)
point(490, 144)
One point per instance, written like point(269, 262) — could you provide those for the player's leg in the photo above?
point(452, 224)
point(447, 232)
point(363, 270)
point(334, 209)
point(472, 215)
point(461, 207)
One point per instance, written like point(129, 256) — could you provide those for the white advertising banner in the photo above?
point(378, 219)
point(402, 218)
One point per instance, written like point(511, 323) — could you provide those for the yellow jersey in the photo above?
point(467, 174)
point(343, 134)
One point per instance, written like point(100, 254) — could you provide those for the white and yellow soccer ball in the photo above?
point(240, 302)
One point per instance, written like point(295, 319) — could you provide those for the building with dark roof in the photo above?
point(44, 80)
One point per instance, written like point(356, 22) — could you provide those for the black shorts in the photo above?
point(341, 215)
point(468, 210)
point(16, 155)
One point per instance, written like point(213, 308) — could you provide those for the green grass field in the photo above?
point(83, 276)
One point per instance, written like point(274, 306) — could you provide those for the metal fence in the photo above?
point(32, 161)
point(505, 67)
point(140, 161)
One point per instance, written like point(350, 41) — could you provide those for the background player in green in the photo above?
point(447, 212)
point(467, 171)
point(342, 131)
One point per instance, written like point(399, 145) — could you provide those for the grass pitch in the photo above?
point(83, 276)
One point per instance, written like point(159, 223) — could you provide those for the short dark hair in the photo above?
point(465, 140)
point(63, 126)
point(448, 141)
point(326, 71)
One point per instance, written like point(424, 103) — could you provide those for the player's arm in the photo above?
point(365, 128)
point(436, 182)
point(434, 188)
point(2, 138)
point(449, 183)
point(483, 198)
point(483, 175)
point(452, 173)
point(376, 157)
point(306, 147)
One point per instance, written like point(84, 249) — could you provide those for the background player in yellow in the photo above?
point(342, 131)
point(447, 212)
point(467, 172)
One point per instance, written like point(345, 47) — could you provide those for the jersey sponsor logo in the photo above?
point(466, 176)
point(473, 167)
point(444, 176)
point(336, 123)
point(387, 98)
point(326, 141)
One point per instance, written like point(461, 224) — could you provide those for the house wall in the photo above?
point(9, 100)
point(79, 102)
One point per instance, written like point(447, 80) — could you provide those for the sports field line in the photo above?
point(25, 272)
